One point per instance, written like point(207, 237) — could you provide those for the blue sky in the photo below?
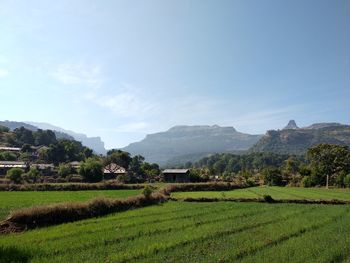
point(122, 69)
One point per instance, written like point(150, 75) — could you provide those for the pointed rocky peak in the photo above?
point(291, 125)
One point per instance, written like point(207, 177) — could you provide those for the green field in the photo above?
point(275, 192)
point(17, 199)
point(194, 232)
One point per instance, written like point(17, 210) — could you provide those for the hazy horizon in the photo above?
point(124, 69)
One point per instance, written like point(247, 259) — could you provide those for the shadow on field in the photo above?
point(11, 254)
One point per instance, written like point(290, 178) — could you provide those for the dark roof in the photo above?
point(175, 171)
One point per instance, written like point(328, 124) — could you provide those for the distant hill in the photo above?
point(191, 142)
point(298, 140)
point(16, 124)
point(94, 143)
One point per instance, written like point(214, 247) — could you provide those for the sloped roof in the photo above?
point(114, 168)
point(5, 148)
point(176, 171)
point(9, 164)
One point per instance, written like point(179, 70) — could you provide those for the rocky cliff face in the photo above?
point(291, 125)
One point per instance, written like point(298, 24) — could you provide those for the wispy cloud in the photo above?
point(141, 127)
point(4, 73)
point(124, 101)
point(81, 74)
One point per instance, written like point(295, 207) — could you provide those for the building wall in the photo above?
point(176, 178)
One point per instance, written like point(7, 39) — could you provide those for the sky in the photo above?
point(124, 69)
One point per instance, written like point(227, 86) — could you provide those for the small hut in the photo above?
point(176, 175)
point(113, 170)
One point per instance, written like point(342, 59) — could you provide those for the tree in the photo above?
point(26, 148)
point(32, 176)
point(327, 161)
point(8, 156)
point(150, 170)
point(15, 175)
point(23, 136)
point(119, 157)
point(347, 180)
point(44, 137)
point(64, 170)
point(272, 176)
point(56, 153)
point(136, 163)
point(194, 175)
point(4, 129)
point(91, 170)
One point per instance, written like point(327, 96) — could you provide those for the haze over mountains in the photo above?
point(181, 144)
point(94, 143)
point(294, 140)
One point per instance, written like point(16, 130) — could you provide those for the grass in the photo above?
point(17, 199)
point(274, 192)
point(193, 232)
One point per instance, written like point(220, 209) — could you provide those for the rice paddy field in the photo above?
point(193, 232)
point(17, 199)
point(189, 231)
point(274, 191)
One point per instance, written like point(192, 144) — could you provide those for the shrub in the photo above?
point(15, 175)
point(272, 176)
point(307, 181)
point(268, 199)
point(64, 170)
point(8, 156)
point(147, 191)
point(32, 176)
point(91, 170)
point(347, 180)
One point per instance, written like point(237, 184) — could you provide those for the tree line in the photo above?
point(323, 165)
point(42, 146)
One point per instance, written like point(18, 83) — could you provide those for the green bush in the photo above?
point(347, 180)
point(268, 199)
point(147, 191)
point(15, 175)
point(272, 176)
point(64, 170)
point(32, 176)
point(307, 181)
point(91, 170)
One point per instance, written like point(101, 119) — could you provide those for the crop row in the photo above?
point(224, 230)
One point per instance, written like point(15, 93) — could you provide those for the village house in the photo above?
point(7, 165)
point(176, 175)
point(10, 149)
point(112, 170)
point(75, 165)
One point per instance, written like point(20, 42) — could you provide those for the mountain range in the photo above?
point(181, 144)
point(294, 140)
point(189, 143)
